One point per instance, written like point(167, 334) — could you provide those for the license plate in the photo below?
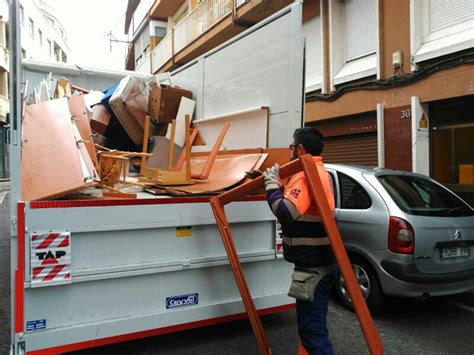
point(454, 252)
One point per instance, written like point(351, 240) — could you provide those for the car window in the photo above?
point(419, 196)
point(353, 195)
point(334, 187)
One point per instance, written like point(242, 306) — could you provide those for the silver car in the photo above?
point(405, 234)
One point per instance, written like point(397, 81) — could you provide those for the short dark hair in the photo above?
point(311, 139)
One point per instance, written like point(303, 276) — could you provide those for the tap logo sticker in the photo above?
point(50, 258)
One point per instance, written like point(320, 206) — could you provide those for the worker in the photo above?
point(305, 242)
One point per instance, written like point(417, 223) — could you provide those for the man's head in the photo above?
point(306, 140)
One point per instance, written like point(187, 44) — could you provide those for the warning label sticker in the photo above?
point(184, 231)
point(50, 258)
point(35, 325)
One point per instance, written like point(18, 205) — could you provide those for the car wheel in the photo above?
point(368, 282)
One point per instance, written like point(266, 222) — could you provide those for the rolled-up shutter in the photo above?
point(443, 14)
point(360, 20)
point(351, 149)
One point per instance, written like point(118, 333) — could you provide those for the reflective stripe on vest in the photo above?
point(305, 241)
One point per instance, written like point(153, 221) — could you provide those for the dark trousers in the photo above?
point(311, 317)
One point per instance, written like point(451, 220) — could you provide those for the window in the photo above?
point(452, 145)
point(360, 25)
point(418, 196)
point(314, 64)
point(31, 28)
point(440, 27)
point(160, 31)
point(40, 37)
point(353, 195)
point(353, 34)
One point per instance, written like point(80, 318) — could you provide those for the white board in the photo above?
point(186, 107)
point(248, 129)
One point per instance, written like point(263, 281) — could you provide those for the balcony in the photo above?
point(165, 8)
point(208, 25)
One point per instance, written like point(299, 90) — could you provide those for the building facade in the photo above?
point(43, 38)
point(397, 86)
point(389, 83)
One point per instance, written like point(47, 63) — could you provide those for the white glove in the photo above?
point(272, 177)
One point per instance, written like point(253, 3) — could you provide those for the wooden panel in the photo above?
point(79, 115)
point(356, 149)
point(100, 119)
point(397, 136)
point(228, 170)
point(51, 165)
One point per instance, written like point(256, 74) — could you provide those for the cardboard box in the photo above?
point(466, 174)
point(164, 102)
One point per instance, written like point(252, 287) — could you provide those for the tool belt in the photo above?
point(305, 281)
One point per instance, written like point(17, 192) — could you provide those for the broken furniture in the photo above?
point(168, 176)
point(128, 122)
point(55, 160)
point(114, 164)
point(100, 119)
point(164, 102)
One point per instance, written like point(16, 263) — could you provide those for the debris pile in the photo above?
point(137, 138)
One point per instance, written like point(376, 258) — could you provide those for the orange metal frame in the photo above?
point(316, 189)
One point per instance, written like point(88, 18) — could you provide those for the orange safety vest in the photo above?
point(298, 193)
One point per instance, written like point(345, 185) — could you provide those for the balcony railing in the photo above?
point(162, 52)
point(200, 20)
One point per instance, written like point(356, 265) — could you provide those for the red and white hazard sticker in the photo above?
point(50, 258)
point(278, 241)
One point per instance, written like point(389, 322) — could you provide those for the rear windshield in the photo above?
point(418, 196)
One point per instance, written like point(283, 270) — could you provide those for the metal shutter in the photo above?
point(360, 20)
point(353, 149)
point(444, 13)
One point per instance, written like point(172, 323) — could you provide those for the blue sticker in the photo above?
point(183, 300)
point(35, 325)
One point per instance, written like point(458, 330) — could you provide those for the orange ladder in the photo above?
point(316, 189)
